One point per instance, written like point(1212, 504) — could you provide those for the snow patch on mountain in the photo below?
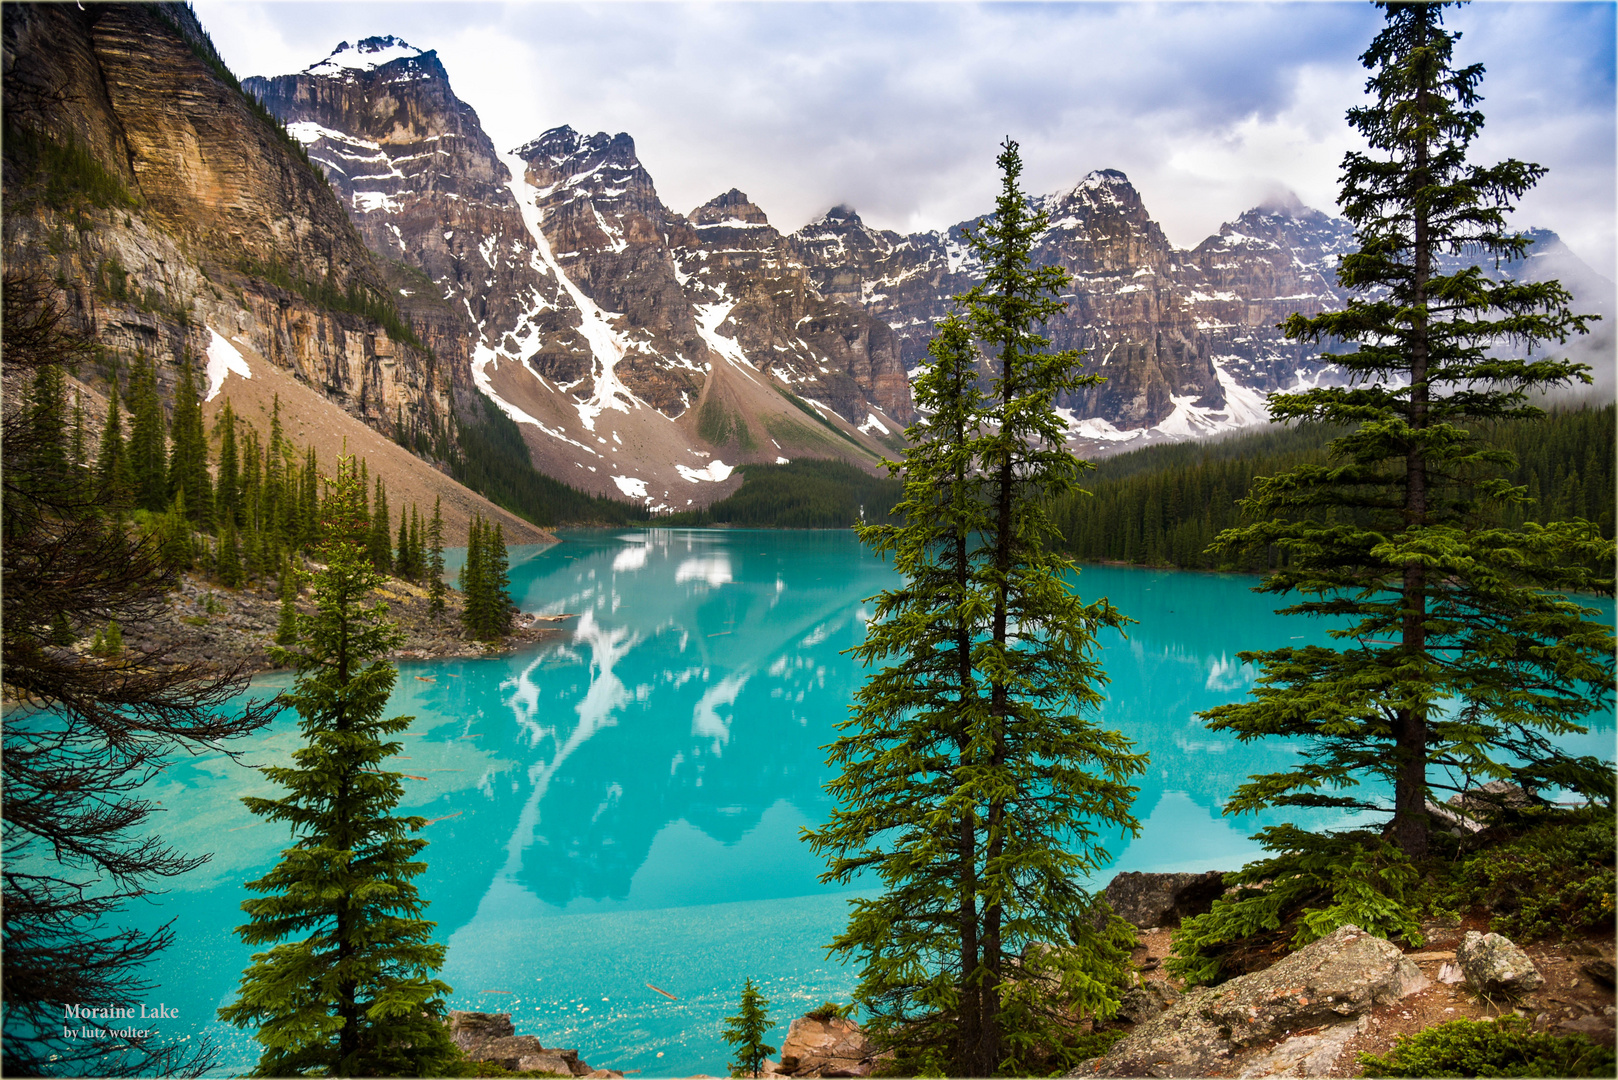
point(710, 317)
point(629, 485)
point(368, 54)
point(716, 471)
point(607, 346)
point(873, 423)
point(223, 358)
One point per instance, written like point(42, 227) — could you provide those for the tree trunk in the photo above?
point(1410, 784)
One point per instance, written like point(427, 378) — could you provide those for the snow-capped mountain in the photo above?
point(573, 310)
point(598, 317)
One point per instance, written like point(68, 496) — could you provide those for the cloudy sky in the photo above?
point(896, 108)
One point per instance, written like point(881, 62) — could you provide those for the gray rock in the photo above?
point(1481, 803)
point(469, 1030)
point(1181, 1041)
point(1599, 969)
point(1340, 976)
point(1494, 965)
point(1140, 1003)
point(1305, 1055)
point(1215, 1031)
point(1163, 899)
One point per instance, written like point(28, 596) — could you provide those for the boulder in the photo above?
point(1140, 1003)
point(472, 1029)
point(1340, 976)
point(1494, 965)
point(1180, 1041)
point(1315, 1054)
point(1148, 900)
point(834, 1047)
point(1480, 803)
point(492, 1037)
point(1216, 1031)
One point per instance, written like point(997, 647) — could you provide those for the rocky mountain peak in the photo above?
point(1105, 191)
point(367, 54)
point(732, 208)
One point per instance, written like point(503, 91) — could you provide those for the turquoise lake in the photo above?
point(619, 808)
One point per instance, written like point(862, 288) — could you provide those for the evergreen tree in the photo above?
point(972, 776)
point(286, 631)
point(113, 478)
point(402, 565)
point(474, 580)
point(229, 485)
point(275, 486)
point(496, 567)
point(148, 450)
point(381, 540)
point(175, 544)
point(79, 451)
point(435, 560)
point(348, 986)
point(188, 460)
point(47, 415)
point(746, 1030)
point(1460, 652)
point(228, 559)
point(309, 523)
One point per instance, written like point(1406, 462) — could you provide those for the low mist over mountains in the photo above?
point(641, 352)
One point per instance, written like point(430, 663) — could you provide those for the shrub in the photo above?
point(830, 1010)
point(1554, 879)
point(1313, 885)
point(1506, 1047)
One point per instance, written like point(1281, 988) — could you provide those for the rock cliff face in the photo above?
point(203, 217)
point(560, 289)
point(1258, 270)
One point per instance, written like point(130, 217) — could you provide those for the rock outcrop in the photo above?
point(1495, 966)
point(1220, 1031)
point(831, 1047)
point(491, 1037)
point(1148, 900)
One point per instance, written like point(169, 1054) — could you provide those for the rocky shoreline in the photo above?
point(203, 622)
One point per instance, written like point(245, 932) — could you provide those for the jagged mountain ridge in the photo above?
point(1186, 338)
point(626, 374)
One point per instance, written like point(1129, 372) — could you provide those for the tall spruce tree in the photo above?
point(188, 459)
point(496, 567)
point(79, 445)
point(148, 440)
point(1460, 655)
point(746, 1030)
point(115, 484)
point(348, 986)
point(403, 565)
point(381, 542)
point(474, 580)
point(435, 560)
point(973, 778)
point(228, 493)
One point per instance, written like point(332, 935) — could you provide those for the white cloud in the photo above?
point(896, 109)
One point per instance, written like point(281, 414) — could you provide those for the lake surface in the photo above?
point(619, 809)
